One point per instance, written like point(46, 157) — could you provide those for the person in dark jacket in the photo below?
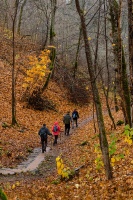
point(44, 132)
point(75, 116)
point(67, 120)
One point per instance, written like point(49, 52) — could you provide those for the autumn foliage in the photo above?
point(80, 149)
point(35, 79)
point(38, 68)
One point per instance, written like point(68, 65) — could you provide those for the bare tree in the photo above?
point(52, 47)
point(130, 42)
point(20, 16)
point(123, 86)
point(102, 133)
point(14, 17)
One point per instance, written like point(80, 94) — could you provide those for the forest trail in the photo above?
point(37, 157)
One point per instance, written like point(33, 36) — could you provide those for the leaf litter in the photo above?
point(16, 143)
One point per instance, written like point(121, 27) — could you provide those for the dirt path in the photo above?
point(36, 157)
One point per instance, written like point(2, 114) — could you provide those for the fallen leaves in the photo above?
point(17, 142)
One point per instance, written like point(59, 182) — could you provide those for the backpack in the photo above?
point(67, 119)
point(74, 115)
point(55, 129)
point(43, 132)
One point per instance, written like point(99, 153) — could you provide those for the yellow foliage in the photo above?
point(62, 166)
point(98, 155)
point(97, 150)
point(64, 172)
point(8, 34)
point(117, 158)
point(51, 46)
point(101, 163)
point(13, 186)
point(59, 170)
point(38, 69)
point(113, 160)
point(17, 183)
point(58, 165)
point(128, 140)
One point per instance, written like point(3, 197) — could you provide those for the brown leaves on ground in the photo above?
point(90, 183)
point(17, 142)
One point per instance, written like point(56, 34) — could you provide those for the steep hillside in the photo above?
point(20, 139)
point(80, 150)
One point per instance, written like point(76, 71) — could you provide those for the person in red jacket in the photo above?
point(55, 132)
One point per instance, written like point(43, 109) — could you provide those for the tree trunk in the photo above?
point(123, 89)
point(13, 66)
point(102, 133)
point(77, 53)
point(53, 11)
point(20, 16)
point(46, 35)
point(130, 42)
point(106, 92)
point(52, 48)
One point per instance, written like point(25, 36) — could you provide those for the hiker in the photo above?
point(67, 120)
point(44, 132)
point(56, 132)
point(75, 117)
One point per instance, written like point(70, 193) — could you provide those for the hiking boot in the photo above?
point(43, 150)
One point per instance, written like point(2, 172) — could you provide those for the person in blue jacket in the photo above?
point(75, 116)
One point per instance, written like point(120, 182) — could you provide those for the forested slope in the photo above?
point(29, 120)
point(80, 149)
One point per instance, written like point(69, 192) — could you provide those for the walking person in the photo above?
point(67, 120)
point(75, 116)
point(44, 132)
point(56, 132)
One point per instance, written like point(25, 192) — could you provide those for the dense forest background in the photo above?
point(57, 55)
